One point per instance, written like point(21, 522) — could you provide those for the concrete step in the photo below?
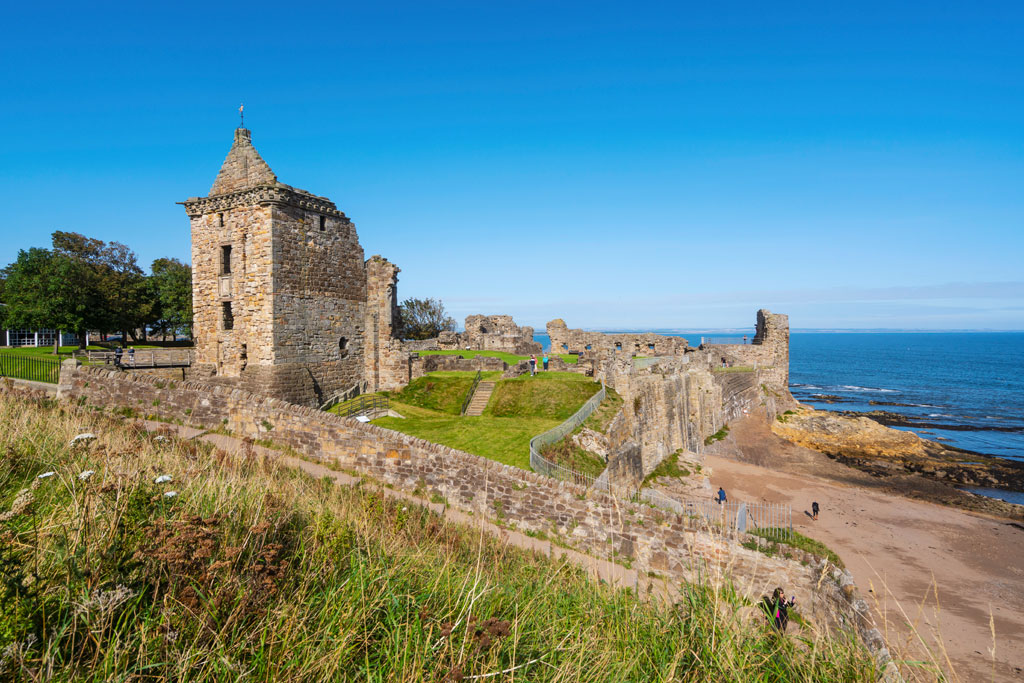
point(478, 403)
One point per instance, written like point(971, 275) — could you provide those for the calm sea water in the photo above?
point(970, 385)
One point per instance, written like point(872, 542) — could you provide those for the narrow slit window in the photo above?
point(229, 318)
point(225, 259)
point(323, 223)
point(220, 220)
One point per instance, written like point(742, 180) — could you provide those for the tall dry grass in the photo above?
point(252, 571)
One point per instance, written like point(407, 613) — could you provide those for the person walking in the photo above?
point(118, 352)
point(545, 362)
point(533, 365)
point(814, 511)
point(131, 356)
point(721, 495)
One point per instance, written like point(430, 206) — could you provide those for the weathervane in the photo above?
point(241, 114)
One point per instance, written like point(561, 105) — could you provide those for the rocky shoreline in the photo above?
point(866, 442)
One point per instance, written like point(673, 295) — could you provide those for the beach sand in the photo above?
point(900, 550)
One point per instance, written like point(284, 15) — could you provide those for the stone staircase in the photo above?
point(480, 398)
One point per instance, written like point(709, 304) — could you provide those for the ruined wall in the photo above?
point(421, 365)
point(386, 358)
point(769, 350)
point(493, 333)
point(588, 521)
point(606, 346)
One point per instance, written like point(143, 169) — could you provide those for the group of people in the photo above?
point(119, 356)
point(533, 364)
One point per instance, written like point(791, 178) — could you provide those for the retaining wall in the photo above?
point(647, 539)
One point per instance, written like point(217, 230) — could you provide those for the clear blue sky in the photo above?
point(616, 164)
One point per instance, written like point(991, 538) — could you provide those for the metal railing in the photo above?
point(774, 520)
point(542, 465)
point(142, 358)
point(727, 341)
point(361, 405)
point(469, 396)
point(32, 368)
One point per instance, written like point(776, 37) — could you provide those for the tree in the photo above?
point(424, 318)
point(45, 289)
point(171, 284)
point(112, 276)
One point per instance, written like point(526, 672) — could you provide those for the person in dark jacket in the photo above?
point(777, 609)
point(721, 495)
point(814, 510)
point(118, 352)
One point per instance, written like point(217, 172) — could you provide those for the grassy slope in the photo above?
point(258, 573)
point(519, 409)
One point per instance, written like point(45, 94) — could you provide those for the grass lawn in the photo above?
point(509, 358)
point(64, 350)
point(519, 410)
point(505, 439)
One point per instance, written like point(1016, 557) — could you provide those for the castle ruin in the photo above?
point(283, 302)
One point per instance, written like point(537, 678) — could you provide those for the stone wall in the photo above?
point(606, 346)
point(491, 333)
point(421, 365)
point(769, 351)
point(387, 360)
point(280, 290)
point(652, 540)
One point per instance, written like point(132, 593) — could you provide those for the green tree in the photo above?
point(171, 284)
point(424, 318)
point(45, 289)
point(124, 299)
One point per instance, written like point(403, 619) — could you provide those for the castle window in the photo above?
point(618, 346)
point(323, 223)
point(565, 347)
point(343, 345)
point(220, 220)
point(228, 316)
point(650, 347)
point(225, 259)
point(588, 347)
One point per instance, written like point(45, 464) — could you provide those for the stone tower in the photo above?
point(279, 286)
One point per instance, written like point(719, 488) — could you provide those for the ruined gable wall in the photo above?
point(769, 350)
point(498, 333)
point(319, 299)
point(386, 358)
point(607, 346)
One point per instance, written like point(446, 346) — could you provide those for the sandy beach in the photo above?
point(955, 575)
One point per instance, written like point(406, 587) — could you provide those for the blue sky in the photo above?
point(856, 165)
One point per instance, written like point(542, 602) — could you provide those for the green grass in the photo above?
point(602, 418)
point(441, 392)
point(64, 350)
point(519, 410)
point(257, 572)
point(32, 367)
point(669, 467)
point(796, 540)
point(717, 436)
point(551, 395)
point(506, 440)
point(509, 358)
point(568, 453)
point(734, 368)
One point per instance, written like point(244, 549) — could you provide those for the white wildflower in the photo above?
point(170, 494)
point(105, 602)
point(163, 479)
point(85, 475)
point(160, 438)
point(46, 475)
point(82, 438)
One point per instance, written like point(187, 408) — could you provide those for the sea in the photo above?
point(965, 389)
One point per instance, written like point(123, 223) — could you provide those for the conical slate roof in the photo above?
point(243, 168)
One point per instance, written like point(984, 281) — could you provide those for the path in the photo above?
point(895, 547)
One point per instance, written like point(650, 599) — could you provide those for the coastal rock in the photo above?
point(852, 437)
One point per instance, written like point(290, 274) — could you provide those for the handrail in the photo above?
point(33, 368)
point(542, 465)
point(772, 519)
point(360, 405)
point(730, 341)
point(472, 390)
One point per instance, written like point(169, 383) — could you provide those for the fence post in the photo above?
point(65, 380)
